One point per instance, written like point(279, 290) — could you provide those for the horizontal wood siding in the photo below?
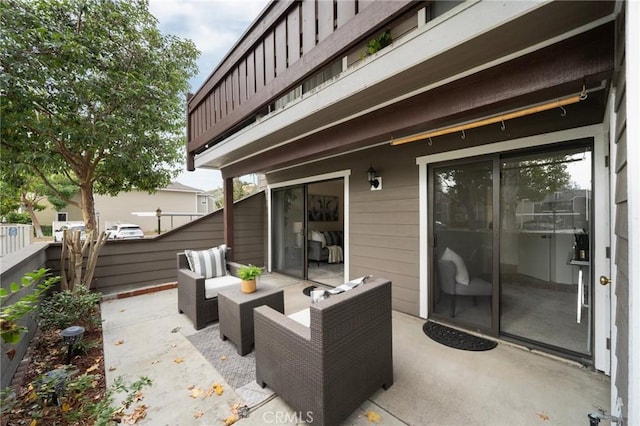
point(384, 225)
point(133, 264)
point(14, 267)
point(621, 222)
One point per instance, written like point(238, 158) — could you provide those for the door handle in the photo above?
point(604, 280)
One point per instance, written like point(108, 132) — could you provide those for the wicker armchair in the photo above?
point(191, 293)
point(329, 369)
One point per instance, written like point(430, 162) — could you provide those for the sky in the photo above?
point(214, 26)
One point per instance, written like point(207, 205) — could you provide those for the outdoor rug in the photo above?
point(456, 339)
point(307, 290)
point(238, 371)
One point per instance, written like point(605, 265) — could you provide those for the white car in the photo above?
point(72, 226)
point(125, 231)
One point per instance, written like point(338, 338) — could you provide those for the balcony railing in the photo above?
point(293, 47)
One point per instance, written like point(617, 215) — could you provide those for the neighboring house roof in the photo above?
point(177, 186)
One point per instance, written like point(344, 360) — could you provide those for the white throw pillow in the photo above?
point(462, 275)
point(318, 236)
point(208, 263)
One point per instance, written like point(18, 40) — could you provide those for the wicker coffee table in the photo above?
point(235, 310)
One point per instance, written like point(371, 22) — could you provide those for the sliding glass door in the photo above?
point(462, 255)
point(288, 233)
point(545, 204)
point(529, 277)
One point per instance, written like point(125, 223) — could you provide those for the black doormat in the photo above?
point(307, 290)
point(456, 339)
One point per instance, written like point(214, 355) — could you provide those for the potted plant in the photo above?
point(248, 275)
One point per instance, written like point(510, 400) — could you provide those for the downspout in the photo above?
point(228, 215)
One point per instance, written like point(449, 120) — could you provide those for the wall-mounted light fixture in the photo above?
point(374, 181)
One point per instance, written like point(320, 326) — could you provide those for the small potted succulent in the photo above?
point(248, 275)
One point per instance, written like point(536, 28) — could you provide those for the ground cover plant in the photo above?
point(54, 392)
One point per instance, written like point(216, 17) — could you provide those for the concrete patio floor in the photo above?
point(433, 384)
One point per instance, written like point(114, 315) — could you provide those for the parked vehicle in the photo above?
point(58, 233)
point(125, 231)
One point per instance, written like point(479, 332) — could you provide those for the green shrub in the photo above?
point(14, 217)
point(67, 308)
point(47, 230)
point(73, 404)
point(10, 315)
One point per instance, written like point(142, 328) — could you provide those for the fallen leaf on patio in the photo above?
point(223, 357)
point(155, 362)
point(372, 416)
point(178, 360)
point(174, 345)
point(198, 414)
point(215, 388)
point(191, 387)
point(138, 396)
point(112, 368)
point(543, 416)
point(11, 353)
point(230, 420)
point(195, 393)
point(119, 342)
point(122, 310)
point(175, 330)
point(139, 413)
point(94, 367)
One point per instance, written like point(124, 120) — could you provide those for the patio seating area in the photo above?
point(432, 384)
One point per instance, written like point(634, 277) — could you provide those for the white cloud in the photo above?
point(214, 26)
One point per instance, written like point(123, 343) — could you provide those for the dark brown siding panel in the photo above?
point(242, 75)
point(293, 35)
point(236, 87)
point(229, 89)
point(251, 75)
point(308, 25)
point(269, 58)
point(281, 47)
point(363, 4)
point(346, 11)
point(219, 105)
point(208, 112)
point(259, 52)
point(325, 19)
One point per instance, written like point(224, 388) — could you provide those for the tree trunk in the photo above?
point(88, 206)
point(94, 250)
point(28, 205)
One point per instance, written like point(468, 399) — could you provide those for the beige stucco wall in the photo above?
point(120, 209)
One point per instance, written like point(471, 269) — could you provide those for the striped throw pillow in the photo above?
point(208, 263)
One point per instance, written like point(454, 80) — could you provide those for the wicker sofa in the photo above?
point(327, 370)
point(192, 300)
